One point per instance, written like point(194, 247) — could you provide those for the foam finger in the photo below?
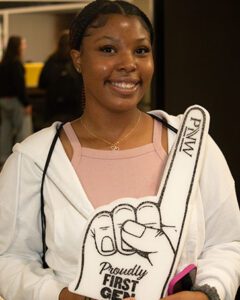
point(143, 239)
point(102, 230)
point(121, 214)
point(148, 214)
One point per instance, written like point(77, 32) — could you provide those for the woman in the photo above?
point(61, 83)
point(13, 100)
point(113, 151)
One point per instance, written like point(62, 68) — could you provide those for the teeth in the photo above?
point(123, 85)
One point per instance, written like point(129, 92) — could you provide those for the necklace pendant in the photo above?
point(114, 147)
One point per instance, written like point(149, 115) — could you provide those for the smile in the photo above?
point(124, 85)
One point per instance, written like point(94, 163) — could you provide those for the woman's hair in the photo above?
point(90, 15)
point(62, 51)
point(94, 15)
point(13, 50)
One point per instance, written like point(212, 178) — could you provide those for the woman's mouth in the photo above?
point(124, 87)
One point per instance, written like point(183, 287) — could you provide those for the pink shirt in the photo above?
point(110, 175)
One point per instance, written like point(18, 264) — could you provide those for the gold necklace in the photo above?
point(113, 145)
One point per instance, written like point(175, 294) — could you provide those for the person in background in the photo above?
point(14, 104)
point(61, 83)
point(112, 151)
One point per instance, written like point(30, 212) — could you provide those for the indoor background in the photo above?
point(197, 52)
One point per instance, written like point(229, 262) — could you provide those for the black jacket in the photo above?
point(63, 89)
point(12, 81)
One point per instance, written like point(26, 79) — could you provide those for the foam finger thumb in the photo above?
point(142, 238)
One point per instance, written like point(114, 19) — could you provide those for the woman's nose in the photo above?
point(127, 63)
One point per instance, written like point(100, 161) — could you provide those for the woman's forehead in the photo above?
point(110, 25)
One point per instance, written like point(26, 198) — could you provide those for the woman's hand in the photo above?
point(186, 295)
point(66, 295)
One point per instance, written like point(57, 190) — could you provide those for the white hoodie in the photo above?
point(213, 239)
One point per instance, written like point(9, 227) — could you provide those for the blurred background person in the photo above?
point(14, 104)
point(62, 84)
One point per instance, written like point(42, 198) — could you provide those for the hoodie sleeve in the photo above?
point(219, 262)
point(21, 274)
point(19, 83)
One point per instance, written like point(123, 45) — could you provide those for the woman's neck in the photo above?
point(111, 125)
point(115, 132)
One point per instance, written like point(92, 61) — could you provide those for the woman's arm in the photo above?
point(187, 296)
point(180, 296)
point(218, 264)
point(66, 295)
point(19, 83)
point(21, 272)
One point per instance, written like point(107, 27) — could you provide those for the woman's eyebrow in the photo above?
point(106, 37)
point(113, 39)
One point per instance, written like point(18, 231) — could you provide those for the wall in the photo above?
point(41, 31)
point(201, 65)
point(147, 7)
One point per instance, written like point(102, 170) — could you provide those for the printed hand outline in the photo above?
point(121, 236)
point(127, 230)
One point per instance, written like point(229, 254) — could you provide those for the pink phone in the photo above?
point(183, 281)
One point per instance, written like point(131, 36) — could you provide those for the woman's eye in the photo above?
point(107, 49)
point(142, 50)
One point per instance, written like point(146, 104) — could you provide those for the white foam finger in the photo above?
point(102, 231)
point(148, 214)
point(144, 239)
point(121, 214)
point(182, 169)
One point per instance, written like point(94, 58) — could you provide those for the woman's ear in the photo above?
point(76, 58)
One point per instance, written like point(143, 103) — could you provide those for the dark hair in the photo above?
point(63, 49)
point(95, 9)
point(12, 51)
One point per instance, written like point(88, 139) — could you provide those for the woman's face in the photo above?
point(23, 46)
point(116, 63)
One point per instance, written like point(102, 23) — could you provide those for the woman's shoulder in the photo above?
point(12, 64)
point(38, 143)
point(16, 63)
point(173, 123)
point(16, 67)
point(215, 164)
point(173, 120)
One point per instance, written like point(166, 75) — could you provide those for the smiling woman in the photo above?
point(116, 64)
point(109, 217)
